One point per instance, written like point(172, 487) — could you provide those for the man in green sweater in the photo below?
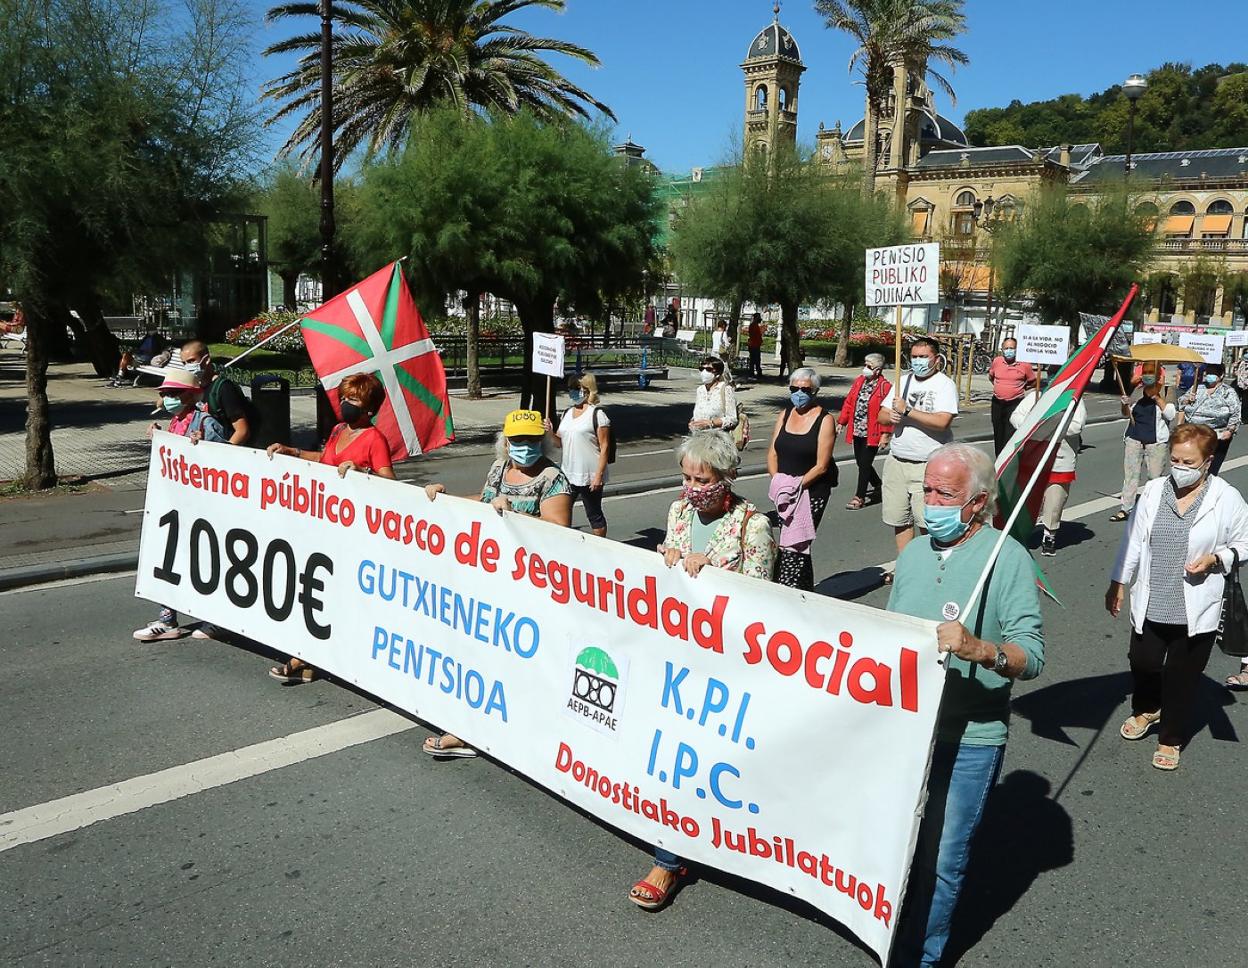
point(999, 640)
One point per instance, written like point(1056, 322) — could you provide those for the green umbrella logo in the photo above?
point(596, 678)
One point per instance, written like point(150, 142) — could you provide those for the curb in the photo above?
point(23, 577)
point(12, 578)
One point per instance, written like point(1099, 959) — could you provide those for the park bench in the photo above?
point(175, 363)
point(614, 364)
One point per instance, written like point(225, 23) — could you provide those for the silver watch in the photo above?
point(1001, 662)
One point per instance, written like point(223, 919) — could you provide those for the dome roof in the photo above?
point(934, 127)
point(774, 41)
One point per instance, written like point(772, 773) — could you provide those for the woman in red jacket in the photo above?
point(860, 416)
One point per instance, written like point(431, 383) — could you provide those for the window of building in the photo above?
point(1148, 209)
point(1220, 207)
point(966, 199)
point(783, 99)
point(760, 98)
point(1182, 208)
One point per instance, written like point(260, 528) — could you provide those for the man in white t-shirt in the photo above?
point(921, 415)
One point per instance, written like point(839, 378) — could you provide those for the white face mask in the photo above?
point(1186, 476)
point(708, 377)
point(868, 372)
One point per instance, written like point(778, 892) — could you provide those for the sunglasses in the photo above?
point(793, 389)
point(708, 369)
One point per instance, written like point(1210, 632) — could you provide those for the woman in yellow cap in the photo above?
point(524, 480)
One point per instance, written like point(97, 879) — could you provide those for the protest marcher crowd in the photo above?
point(1185, 526)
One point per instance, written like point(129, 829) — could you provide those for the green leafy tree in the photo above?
point(396, 58)
point(890, 32)
point(118, 153)
point(781, 230)
point(1074, 254)
point(533, 211)
point(292, 204)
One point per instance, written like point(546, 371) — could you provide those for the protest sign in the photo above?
point(904, 275)
point(1237, 337)
point(1144, 339)
point(1046, 345)
point(1208, 345)
point(548, 354)
point(692, 713)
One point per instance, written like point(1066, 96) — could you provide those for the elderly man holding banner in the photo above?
point(992, 636)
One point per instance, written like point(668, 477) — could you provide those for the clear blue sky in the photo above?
point(670, 67)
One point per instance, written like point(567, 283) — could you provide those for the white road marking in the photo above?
point(44, 820)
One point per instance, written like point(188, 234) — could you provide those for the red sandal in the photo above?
point(659, 898)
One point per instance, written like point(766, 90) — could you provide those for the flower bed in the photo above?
point(265, 325)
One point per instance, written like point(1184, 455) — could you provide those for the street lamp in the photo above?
point(1133, 87)
point(984, 209)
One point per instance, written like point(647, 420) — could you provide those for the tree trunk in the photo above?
point(792, 335)
point(290, 289)
point(536, 316)
point(40, 462)
point(841, 357)
point(869, 160)
point(472, 316)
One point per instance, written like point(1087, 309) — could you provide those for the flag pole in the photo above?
point(252, 349)
point(897, 353)
point(1058, 437)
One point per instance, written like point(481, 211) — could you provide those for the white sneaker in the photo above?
point(158, 632)
point(205, 631)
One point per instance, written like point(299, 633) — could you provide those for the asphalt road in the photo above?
point(375, 855)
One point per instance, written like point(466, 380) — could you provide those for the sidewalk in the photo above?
point(98, 436)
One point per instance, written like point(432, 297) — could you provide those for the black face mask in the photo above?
point(350, 412)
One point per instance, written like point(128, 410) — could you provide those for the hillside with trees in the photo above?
point(1184, 108)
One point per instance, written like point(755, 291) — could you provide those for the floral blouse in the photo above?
point(753, 554)
point(525, 498)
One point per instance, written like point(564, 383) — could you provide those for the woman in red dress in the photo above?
point(355, 444)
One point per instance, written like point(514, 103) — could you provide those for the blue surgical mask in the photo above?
point(577, 397)
point(800, 398)
point(524, 454)
point(1148, 380)
point(1009, 355)
point(921, 366)
point(171, 404)
point(1210, 379)
point(944, 522)
point(194, 369)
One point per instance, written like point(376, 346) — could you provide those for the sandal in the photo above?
point(1166, 761)
point(1131, 728)
point(433, 746)
point(855, 504)
point(292, 674)
point(1237, 681)
point(649, 897)
point(1120, 515)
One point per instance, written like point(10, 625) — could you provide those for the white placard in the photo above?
point(1046, 345)
point(686, 335)
point(548, 354)
point(1208, 345)
point(1237, 337)
point(679, 710)
point(904, 275)
point(1145, 339)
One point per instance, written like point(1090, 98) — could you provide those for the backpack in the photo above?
point(212, 403)
point(741, 432)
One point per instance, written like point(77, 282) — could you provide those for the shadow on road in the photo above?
point(1024, 833)
point(849, 585)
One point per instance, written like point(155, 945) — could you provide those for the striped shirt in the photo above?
point(1168, 547)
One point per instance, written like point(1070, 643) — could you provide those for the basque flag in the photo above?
point(375, 327)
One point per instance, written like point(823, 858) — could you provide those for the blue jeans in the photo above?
point(667, 860)
point(957, 790)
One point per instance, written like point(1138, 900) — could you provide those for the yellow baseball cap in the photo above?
point(523, 423)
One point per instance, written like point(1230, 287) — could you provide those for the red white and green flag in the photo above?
point(375, 327)
point(1026, 462)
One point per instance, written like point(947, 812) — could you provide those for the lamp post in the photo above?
point(327, 155)
point(984, 209)
point(1133, 88)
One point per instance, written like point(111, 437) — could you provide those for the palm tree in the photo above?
point(396, 58)
point(890, 32)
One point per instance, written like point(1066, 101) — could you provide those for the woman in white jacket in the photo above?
point(1057, 493)
point(1175, 555)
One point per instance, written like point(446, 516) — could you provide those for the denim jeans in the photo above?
point(667, 860)
point(957, 790)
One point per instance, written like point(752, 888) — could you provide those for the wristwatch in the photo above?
point(1001, 662)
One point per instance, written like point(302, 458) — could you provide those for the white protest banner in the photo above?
point(1237, 337)
point(686, 335)
point(693, 713)
point(548, 354)
point(1046, 345)
point(1144, 339)
point(904, 275)
point(1208, 345)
